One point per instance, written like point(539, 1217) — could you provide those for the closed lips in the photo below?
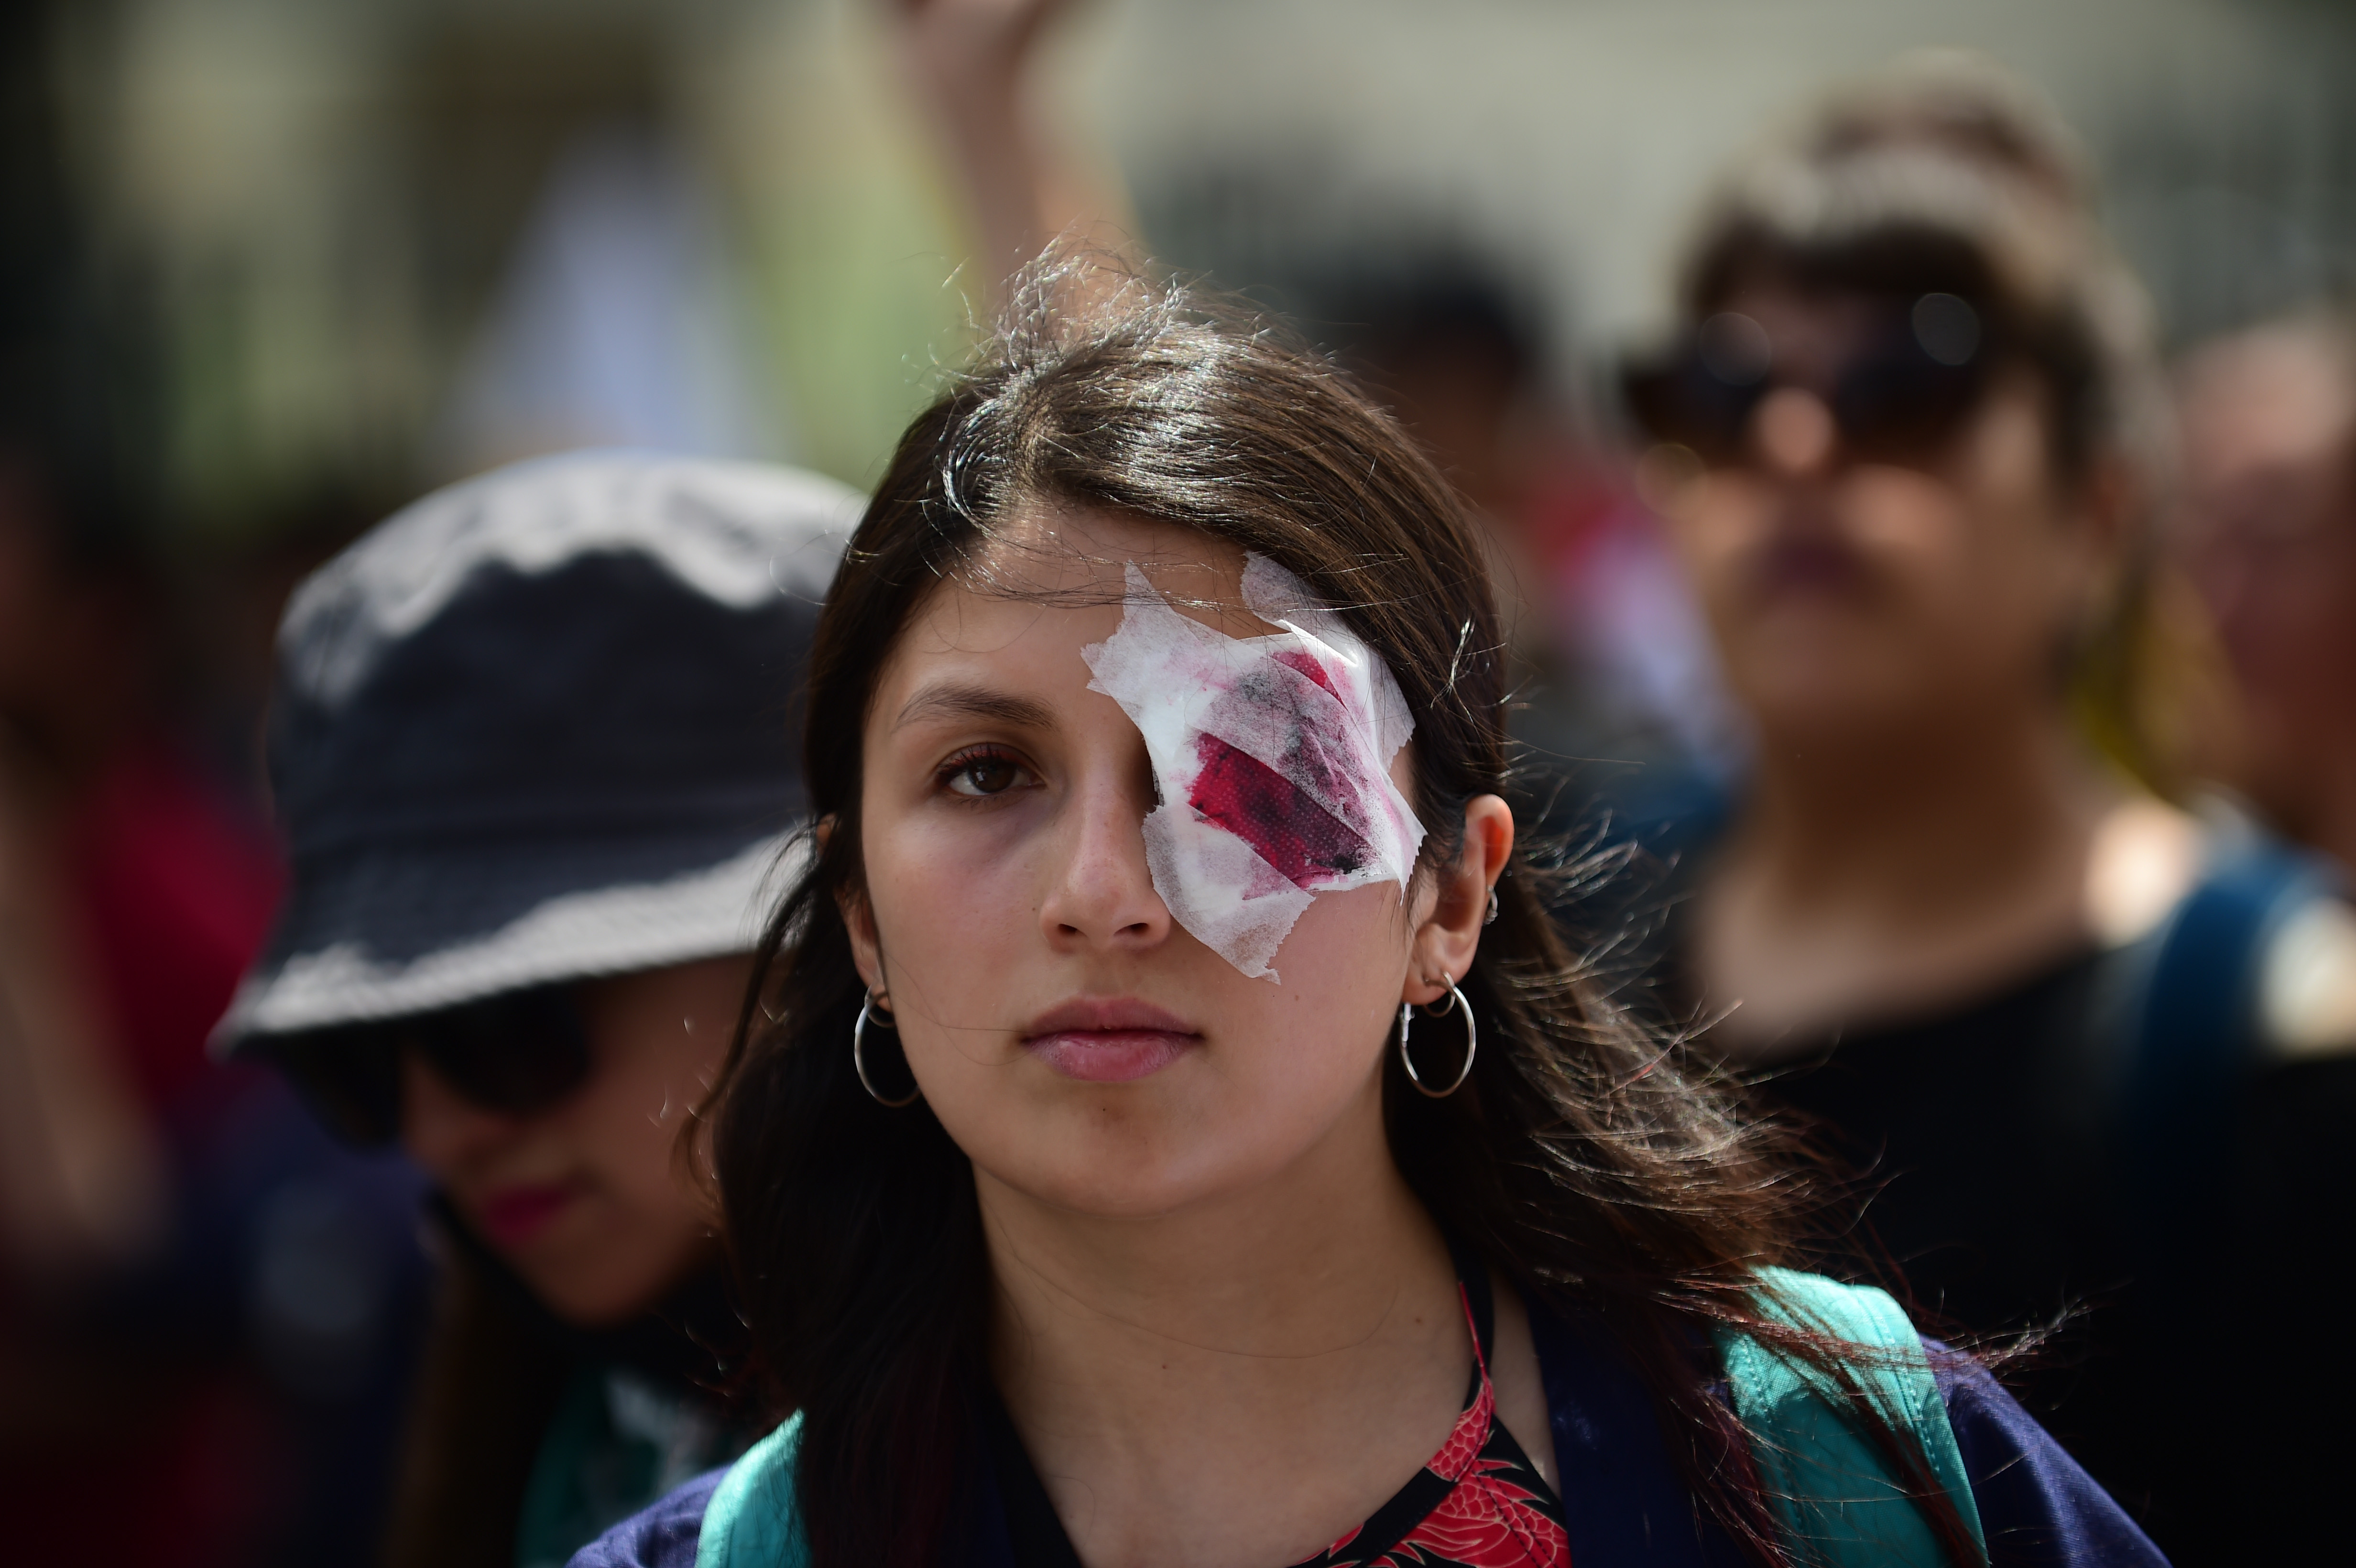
point(1115, 1041)
point(513, 1215)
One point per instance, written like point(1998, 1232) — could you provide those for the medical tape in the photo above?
point(1271, 755)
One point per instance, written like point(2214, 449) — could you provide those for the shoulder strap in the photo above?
point(751, 1521)
point(556, 1517)
point(1830, 1487)
point(2190, 1031)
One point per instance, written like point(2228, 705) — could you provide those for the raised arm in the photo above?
point(969, 63)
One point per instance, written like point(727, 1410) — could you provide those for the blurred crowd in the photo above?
point(1943, 701)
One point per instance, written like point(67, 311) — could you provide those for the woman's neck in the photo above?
point(1239, 1381)
point(1881, 874)
point(1940, 799)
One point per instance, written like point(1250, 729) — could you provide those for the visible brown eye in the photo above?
point(977, 773)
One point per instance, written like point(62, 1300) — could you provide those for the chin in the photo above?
point(1804, 710)
point(1129, 1172)
point(1831, 694)
point(606, 1277)
point(591, 1297)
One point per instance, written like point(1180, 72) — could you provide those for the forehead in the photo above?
point(1050, 580)
point(1767, 297)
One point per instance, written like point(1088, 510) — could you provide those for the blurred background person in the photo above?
point(1909, 440)
point(202, 1300)
point(210, 1310)
point(531, 753)
point(2268, 533)
point(137, 1182)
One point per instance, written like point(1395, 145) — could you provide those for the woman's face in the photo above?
point(588, 1200)
point(1850, 597)
point(1075, 1040)
point(2269, 536)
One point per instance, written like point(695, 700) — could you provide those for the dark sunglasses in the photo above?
point(1901, 398)
point(516, 1054)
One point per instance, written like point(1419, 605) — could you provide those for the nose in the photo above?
point(1102, 896)
point(443, 1131)
point(1794, 433)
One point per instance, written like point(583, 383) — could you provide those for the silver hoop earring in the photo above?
point(1471, 1042)
point(859, 1057)
point(1491, 918)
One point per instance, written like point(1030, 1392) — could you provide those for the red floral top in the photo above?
point(1477, 1503)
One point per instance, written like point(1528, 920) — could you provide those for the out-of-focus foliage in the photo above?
point(329, 204)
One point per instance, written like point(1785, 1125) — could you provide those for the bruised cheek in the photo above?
point(940, 893)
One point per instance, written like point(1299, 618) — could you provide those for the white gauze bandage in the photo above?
point(1272, 755)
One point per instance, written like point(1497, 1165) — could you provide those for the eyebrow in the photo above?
point(950, 701)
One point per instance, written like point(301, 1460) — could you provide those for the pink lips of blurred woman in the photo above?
point(1107, 1042)
point(512, 1216)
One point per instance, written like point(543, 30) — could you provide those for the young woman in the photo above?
point(1907, 448)
point(1170, 1130)
point(526, 751)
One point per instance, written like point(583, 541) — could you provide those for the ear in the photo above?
point(1446, 939)
point(858, 919)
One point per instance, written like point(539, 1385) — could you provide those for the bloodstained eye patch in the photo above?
point(1284, 826)
point(1271, 755)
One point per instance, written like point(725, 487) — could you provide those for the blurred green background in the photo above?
point(375, 238)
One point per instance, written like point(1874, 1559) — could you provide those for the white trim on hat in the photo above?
point(606, 931)
point(740, 533)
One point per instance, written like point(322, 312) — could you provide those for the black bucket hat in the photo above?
point(537, 728)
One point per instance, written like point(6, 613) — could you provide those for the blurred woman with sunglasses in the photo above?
point(1908, 446)
point(531, 750)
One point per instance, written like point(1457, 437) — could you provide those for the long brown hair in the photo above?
point(1581, 1159)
